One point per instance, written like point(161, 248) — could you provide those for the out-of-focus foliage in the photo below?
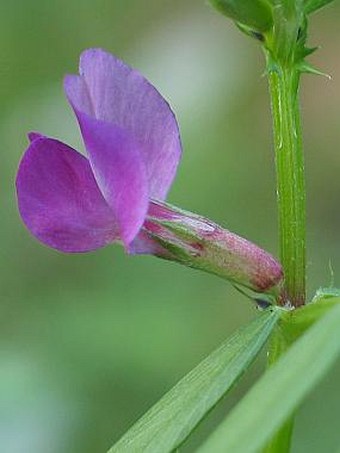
point(89, 342)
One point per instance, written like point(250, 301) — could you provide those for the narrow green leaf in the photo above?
point(282, 388)
point(169, 422)
point(314, 5)
point(291, 326)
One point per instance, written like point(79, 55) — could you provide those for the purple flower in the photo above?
point(75, 203)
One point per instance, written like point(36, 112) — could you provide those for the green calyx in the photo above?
point(196, 242)
point(256, 14)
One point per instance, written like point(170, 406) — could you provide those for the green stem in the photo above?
point(281, 441)
point(283, 83)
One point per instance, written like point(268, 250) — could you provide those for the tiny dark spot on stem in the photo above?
point(262, 304)
point(299, 34)
point(257, 35)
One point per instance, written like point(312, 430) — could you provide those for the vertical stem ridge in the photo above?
point(283, 83)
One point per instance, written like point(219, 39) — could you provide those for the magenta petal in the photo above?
point(118, 167)
point(59, 200)
point(109, 90)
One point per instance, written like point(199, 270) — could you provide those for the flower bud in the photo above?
point(194, 241)
point(252, 13)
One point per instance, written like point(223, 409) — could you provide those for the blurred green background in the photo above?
point(89, 342)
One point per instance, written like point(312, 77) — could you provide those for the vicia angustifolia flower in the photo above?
point(77, 203)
